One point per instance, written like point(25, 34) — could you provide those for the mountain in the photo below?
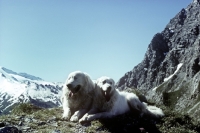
point(25, 75)
point(18, 88)
point(170, 71)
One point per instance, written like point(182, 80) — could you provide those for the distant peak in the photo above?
point(196, 1)
point(25, 75)
point(28, 76)
point(8, 71)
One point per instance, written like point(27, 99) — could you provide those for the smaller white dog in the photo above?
point(77, 95)
point(117, 102)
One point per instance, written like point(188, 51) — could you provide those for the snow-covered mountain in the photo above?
point(21, 87)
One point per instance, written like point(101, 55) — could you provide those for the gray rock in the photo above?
point(41, 123)
point(2, 124)
point(28, 120)
point(56, 131)
point(53, 124)
point(9, 129)
point(53, 118)
point(20, 123)
point(178, 43)
point(25, 128)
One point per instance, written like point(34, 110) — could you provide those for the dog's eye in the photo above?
point(111, 83)
point(104, 82)
point(75, 78)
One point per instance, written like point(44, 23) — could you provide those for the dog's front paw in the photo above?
point(65, 118)
point(90, 117)
point(74, 118)
point(83, 119)
point(66, 115)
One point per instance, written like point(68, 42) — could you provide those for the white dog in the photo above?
point(117, 102)
point(77, 95)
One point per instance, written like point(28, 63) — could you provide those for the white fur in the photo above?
point(119, 102)
point(77, 99)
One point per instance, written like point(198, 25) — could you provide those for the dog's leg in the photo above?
point(66, 113)
point(135, 104)
point(84, 118)
point(78, 114)
point(99, 115)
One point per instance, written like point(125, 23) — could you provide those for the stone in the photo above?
point(28, 120)
point(178, 43)
point(53, 124)
point(41, 123)
point(9, 129)
point(56, 131)
point(25, 128)
point(20, 123)
point(2, 124)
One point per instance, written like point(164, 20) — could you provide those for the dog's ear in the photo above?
point(87, 78)
point(113, 82)
point(97, 81)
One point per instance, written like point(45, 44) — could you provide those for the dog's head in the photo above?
point(107, 86)
point(75, 82)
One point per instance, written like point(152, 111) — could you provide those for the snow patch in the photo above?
point(12, 88)
point(154, 89)
point(166, 79)
point(178, 67)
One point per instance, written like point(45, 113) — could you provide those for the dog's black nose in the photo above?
point(69, 85)
point(109, 89)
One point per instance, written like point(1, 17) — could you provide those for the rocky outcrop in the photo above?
point(170, 71)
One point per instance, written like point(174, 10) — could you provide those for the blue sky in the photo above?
point(51, 38)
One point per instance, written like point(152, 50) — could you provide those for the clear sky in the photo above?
point(51, 38)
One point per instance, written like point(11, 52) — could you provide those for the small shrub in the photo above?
point(25, 108)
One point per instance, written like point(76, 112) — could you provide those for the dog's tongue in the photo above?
point(71, 94)
point(107, 96)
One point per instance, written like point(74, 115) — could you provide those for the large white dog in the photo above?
point(117, 102)
point(77, 95)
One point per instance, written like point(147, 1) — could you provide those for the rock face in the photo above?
point(170, 71)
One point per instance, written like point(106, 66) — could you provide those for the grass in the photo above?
point(25, 108)
point(43, 120)
point(95, 126)
point(171, 98)
point(173, 122)
point(177, 122)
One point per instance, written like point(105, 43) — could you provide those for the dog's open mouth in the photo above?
point(106, 95)
point(74, 90)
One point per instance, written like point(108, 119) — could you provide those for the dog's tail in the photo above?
point(147, 110)
point(154, 111)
